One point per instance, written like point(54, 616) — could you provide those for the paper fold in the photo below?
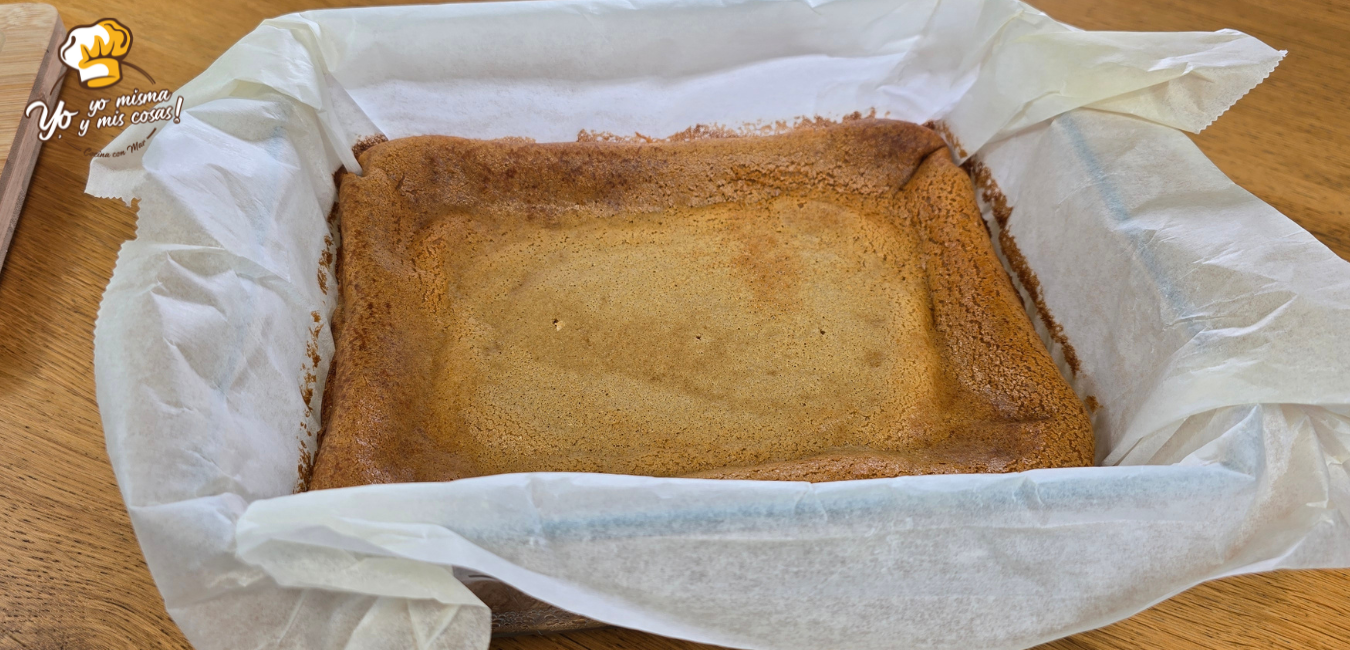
point(1184, 80)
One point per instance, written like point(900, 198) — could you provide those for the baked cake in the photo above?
point(820, 305)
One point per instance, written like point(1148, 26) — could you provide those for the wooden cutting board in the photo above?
point(29, 71)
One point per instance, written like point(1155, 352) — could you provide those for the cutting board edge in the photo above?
point(23, 153)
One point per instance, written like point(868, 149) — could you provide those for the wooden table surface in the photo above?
point(71, 574)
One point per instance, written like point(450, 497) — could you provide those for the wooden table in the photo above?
point(71, 574)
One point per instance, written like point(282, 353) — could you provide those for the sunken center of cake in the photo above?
point(673, 342)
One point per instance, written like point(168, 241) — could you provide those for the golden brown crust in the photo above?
point(821, 305)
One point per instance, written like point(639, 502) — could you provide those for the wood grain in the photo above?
point(72, 577)
point(29, 69)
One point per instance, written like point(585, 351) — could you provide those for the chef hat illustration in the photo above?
point(96, 51)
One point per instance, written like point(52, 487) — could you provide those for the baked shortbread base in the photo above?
point(820, 305)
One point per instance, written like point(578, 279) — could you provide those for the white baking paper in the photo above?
point(1209, 328)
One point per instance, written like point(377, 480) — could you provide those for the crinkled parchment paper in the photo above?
point(1208, 327)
